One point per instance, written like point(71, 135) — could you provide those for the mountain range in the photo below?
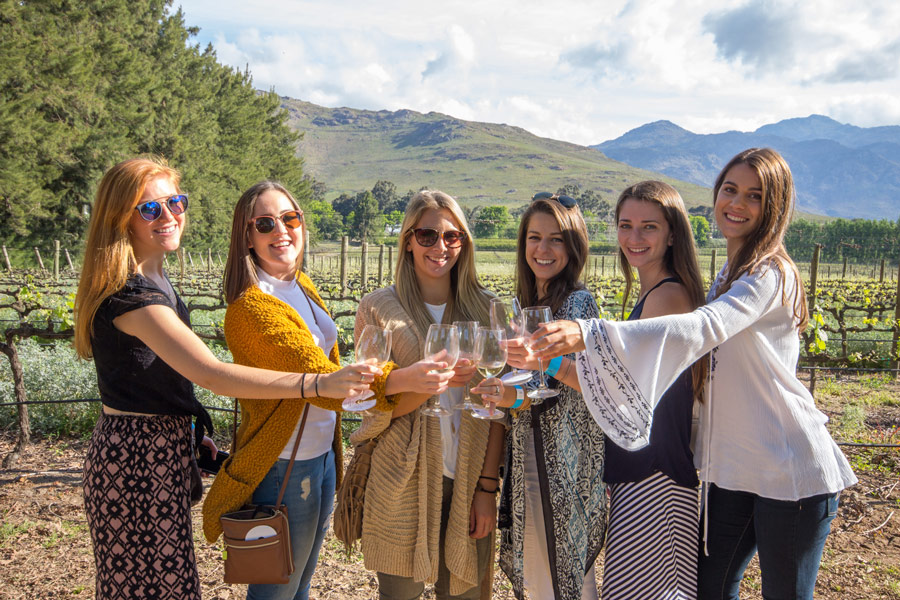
point(478, 163)
point(839, 170)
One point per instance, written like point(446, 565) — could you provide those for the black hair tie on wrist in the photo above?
point(302, 383)
point(317, 384)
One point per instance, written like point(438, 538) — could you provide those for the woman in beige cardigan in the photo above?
point(432, 489)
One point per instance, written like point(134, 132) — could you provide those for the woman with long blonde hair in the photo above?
point(139, 472)
point(430, 505)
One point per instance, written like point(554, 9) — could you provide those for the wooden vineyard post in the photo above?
point(364, 267)
point(844, 271)
point(881, 274)
point(712, 267)
point(811, 299)
point(6, 258)
point(602, 266)
point(69, 260)
point(40, 261)
point(380, 264)
point(345, 243)
point(390, 260)
point(55, 260)
point(895, 346)
point(209, 261)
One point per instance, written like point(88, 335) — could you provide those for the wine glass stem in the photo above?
point(543, 384)
point(467, 397)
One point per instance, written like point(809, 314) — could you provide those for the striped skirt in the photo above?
point(137, 499)
point(651, 542)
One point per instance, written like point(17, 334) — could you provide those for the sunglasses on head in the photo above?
point(427, 237)
point(292, 219)
point(566, 201)
point(152, 209)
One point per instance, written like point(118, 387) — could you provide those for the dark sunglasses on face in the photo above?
point(292, 219)
point(152, 209)
point(427, 237)
point(566, 201)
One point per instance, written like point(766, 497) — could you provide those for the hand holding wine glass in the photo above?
point(535, 316)
point(490, 352)
point(373, 348)
point(441, 344)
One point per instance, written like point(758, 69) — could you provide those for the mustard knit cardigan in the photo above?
point(262, 331)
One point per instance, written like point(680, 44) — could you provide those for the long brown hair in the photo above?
point(575, 238)
point(469, 300)
point(108, 254)
point(680, 259)
point(240, 267)
point(766, 243)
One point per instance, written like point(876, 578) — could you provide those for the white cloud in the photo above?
point(576, 70)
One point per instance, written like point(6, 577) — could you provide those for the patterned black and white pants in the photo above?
point(137, 500)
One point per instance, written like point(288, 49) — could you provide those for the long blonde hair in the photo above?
point(240, 267)
point(680, 259)
point(767, 241)
point(469, 300)
point(108, 254)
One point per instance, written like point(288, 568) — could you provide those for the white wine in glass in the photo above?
point(442, 345)
point(373, 348)
point(467, 332)
point(535, 316)
point(490, 352)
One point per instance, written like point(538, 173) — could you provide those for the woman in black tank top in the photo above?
point(655, 556)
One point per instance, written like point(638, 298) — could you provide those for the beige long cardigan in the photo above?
point(401, 522)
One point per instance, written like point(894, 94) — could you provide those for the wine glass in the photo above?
point(490, 352)
point(534, 316)
point(441, 345)
point(506, 315)
point(467, 333)
point(374, 348)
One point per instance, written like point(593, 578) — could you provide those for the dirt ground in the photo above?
point(45, 549)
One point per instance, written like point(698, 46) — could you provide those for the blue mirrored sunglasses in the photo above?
point(152, 209)
point(566, 201)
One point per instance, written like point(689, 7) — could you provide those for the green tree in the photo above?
point(490, 221)
point(700, 227)
point(368, 222)
point(385, 193)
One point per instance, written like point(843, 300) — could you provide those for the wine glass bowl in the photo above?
point(490, 354)
point(374, 348)
point(468, 331)
point(534, 317)
point(506, 315)
point(442, 345)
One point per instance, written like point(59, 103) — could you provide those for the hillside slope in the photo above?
point(479, 163)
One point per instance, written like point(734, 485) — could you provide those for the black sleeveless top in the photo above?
point(130, 376)
point(670, 434)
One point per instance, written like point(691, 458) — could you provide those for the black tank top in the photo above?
point(670, 434)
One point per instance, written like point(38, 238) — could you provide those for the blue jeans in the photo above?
point(310, 499)
point(789, 536)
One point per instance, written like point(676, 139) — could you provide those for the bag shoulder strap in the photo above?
point(287, 473)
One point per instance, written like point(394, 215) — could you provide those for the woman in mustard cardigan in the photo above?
point(276, 319)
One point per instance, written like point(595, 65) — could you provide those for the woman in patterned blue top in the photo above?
point(553, 505)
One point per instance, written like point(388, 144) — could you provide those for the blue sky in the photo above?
point(580, 71)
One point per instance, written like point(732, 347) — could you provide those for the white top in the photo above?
point(760, 431)
point(318, 434)
point(449, 399)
